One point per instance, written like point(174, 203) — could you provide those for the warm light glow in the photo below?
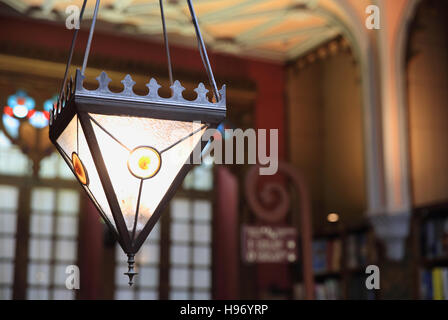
point(133, 133)
point(68, 144)
point(333, 217)
point(80, 170)
point(144, 162)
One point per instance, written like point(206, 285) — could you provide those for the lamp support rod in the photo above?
point(72, 47)
point(89, 41)
point(165, 38)
point(203, 51)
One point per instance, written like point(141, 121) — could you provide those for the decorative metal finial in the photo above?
point(131, 273)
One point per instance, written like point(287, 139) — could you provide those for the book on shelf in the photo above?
point(434, 240)
point(434, 284)
point(327, 255)
point(330, 289)
point(320, 256)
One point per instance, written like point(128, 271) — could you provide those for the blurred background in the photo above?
point(362, 116)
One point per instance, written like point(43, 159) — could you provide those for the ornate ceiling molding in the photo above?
point(269, 29)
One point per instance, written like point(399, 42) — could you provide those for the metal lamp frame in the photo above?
point(75, 100)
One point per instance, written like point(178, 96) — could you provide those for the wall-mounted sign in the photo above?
point(267, 244)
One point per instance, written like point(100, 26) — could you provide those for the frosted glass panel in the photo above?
point(180, 254)
point(149, 276)
point(148, 295)
point(7, 247)
point(12, 160)
point(125, 185)
point(201, 278)
point(38, 274)
point(63, 294)
point(202, 233)
point(180, 232)
point(42, 199)
point(68, 142)
point(68, 202)
point(124, 294)
point(5, 293)
point(180, 209)
point(179, 277)
point(47, 167)
point(66, 250)
point(201, 295)
point(202, 210)
point(68, 139)
point(179, 295)
point(6, 273)
point(38, 294)
point(41, 224)
point(9, 196)
point(201, 256)
point(59, 274)
point(67, 226)
point(135, 132)
point(40, 249)
point(7, 221)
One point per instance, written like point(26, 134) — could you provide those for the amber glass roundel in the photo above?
point(144, 162)
point(80, 170)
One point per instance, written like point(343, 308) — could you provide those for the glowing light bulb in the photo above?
point(333, 217)
point(144, 162)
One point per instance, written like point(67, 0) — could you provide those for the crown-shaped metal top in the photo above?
point(76, 89)
point(153, 95)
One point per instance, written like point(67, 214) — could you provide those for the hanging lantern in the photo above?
point(129, 152)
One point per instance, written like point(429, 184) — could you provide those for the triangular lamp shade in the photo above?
point(130, 152)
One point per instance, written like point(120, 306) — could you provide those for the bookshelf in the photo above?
point(430, 245)
point(340, 257)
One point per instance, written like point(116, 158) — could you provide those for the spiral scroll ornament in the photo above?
point(272, 203)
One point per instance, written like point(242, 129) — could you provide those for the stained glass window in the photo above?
point(21, 107)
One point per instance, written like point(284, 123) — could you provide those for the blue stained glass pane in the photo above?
point(11, 125)
point(38, 120)
point(21, 103)
point(48, 104)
